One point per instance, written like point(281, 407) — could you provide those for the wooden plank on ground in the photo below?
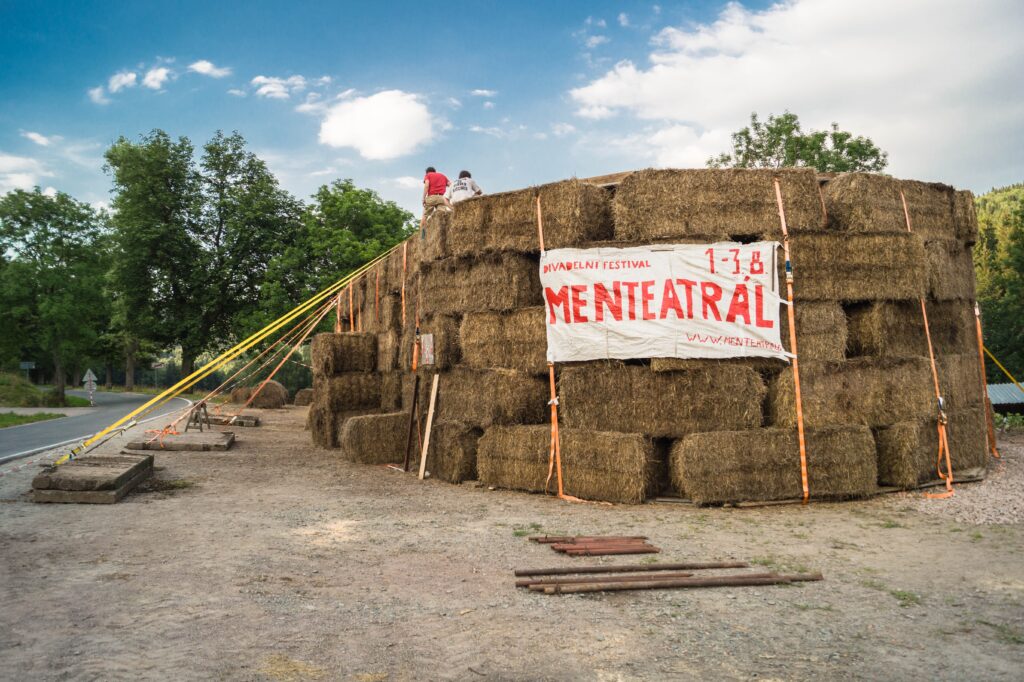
point(239, 420)
point(193, 440)
point(93, 479)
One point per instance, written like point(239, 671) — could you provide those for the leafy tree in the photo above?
point(779, 142)
point(51, 289)
point(341, 230)
point(999, 266)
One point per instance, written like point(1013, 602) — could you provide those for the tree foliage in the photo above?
point(52, 307)
point(999, 266)
point(780, 142)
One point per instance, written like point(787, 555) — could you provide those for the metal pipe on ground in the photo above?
point(753, 579)
point(554, 539)
point(630, 568)
point(590, 579)
point(613, 551)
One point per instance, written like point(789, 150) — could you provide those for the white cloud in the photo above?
point(236, 92)
point(156, 77)
point(312, 105)
point(407, 182)
point(278, 88)
point(492, 131)
point(939, 90)
point(100, 205)
point(453, 102)
point(594, 41)
point(50, 191)
point(121, 80)
point(488, 105)
point(623, 19)
point(591, 21)
point(40, 139)
point(483, 93)
point(20, 172)
point(386, 125)
point(322, 80)
point(207, 68)
point(562, 129)
point(98, 96)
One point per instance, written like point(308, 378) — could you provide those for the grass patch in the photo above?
point(75, 401)
point(523, 531)
point(906, 598)
point(11, 419)
point(1006, 633)
point(976, 536)
point(889, 523)
point(15, 391)
point(812, 607)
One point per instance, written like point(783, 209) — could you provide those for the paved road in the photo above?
point(109, 408)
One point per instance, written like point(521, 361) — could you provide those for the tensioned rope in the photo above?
point(222, 359)
point(985, 402)
point(792, 344)
point(941, 418)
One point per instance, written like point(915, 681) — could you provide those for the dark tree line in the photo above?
point(199, 250)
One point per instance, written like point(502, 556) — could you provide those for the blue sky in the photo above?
point(519, 93)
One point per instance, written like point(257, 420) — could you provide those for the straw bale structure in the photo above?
point(374, 438)
point(597, 465)
point(657, 204)
point(516, 340)
point(573, 212)
point(716, 431)
point(858, 267)
point(763, 464)
point(272, 396)
point(867, 391)
point(452, 455)
point(303, 397)
point(660, 404)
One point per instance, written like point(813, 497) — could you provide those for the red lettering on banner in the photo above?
point(670, 301)
point(688, 285)
point(646, 296)
point(739, 306)
point(559, 299)
point(758, 305)
point(710, 295)
point(578, 302)
point(602, 299)
point(631, 297)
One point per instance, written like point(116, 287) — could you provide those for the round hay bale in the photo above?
point(241, 394)
point(273, 396)
point(303, 396)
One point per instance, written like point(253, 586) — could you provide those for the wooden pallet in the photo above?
point(201, 441)
point(93, 479)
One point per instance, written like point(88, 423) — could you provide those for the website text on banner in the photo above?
point(662, 301)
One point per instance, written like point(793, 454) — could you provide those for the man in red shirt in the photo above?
point(434, 187)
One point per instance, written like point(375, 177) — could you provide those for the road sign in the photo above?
point(27, 365)
point(90, 384)
point(89, 376)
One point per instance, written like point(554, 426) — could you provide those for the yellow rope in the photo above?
point(1005, 371)
point(226, 357)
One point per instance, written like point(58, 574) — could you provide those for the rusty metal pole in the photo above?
point(629, 568)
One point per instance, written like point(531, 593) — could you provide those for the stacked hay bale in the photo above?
point(714, 431)
point(345, 382)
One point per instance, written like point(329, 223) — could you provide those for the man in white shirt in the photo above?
point(463, 188)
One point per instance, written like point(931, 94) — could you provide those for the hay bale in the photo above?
point(965, 216)
point(633, 399)
point(897, 328)
point(391, 391)
point(950, 270)
point(653, 204)
point(864, 391)
point(349, 391)
point(960, 380)
point(322, 424)
point(515, 340)
point(375, 438)
point(495, 282)
point(868, 202)
point(907, 452)
point(434, 236)
point(481, 398)
point(346, 352)
point(272, 396)
point(596, 465)
point(388, 351)
point(240, 395)
point(447, 351)
point(391, 276)
point(764, 464)
point(574, 212)
point(452, 455)
point(303, 397)
point(858, 267)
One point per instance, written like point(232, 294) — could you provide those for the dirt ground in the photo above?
point(278, 561)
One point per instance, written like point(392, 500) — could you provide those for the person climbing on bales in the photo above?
point(464, 188)
point(435, 185)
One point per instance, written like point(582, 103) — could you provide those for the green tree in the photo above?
point(343, 228)
point(51, 289)
point(779, 142)
point(999, 266)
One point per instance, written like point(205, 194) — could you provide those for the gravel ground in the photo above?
point(277, 561)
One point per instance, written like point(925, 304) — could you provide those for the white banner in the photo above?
point(662, 301)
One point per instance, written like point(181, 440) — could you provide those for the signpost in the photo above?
point(89, 381)
point(28, 366)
